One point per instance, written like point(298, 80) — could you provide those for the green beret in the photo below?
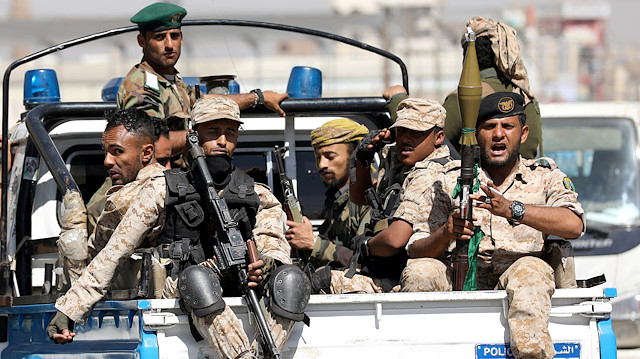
point(500, 105)
point(159, 16)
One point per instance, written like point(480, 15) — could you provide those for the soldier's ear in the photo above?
point(524, 134)
point(147, 152)
point(439, 138)
point(141, 40)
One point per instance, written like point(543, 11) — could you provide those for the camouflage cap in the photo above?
point(215, 108)
point(341, 130)
point(501, 105)
point(159, 16)
point(420, 114)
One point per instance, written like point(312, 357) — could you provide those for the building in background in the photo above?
point(567, 47)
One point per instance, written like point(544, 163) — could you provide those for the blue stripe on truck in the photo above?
point(607, 339)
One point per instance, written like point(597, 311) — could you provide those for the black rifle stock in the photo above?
point(231, 250)
point(291, 204)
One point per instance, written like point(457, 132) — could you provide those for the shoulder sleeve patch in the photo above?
point(151, 81)
point(568, 184)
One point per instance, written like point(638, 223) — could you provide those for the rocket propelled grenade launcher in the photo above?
point(469, 97)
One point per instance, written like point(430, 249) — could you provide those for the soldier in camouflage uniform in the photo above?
point(155, 85)
point(333, 144)
point(501, 70)
point(524, 202)
point(162, 155)
point(132, 219)
point(217, 121)
point(419, 132)
point(95, 206)
point(419, 143)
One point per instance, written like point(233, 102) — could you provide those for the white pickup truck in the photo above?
point(596, 144)
point(57, 145)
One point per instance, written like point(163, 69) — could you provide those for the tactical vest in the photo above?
point(188, 236)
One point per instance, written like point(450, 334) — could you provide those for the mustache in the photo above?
point(326, 172)
point(217, 150)
point(405, 144)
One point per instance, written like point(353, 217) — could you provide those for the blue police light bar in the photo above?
point(234, 87)
point(305, 82)
point(110, 90)
point(40, 86)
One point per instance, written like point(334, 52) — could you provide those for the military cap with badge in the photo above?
point(159, 16)
point(501, 105)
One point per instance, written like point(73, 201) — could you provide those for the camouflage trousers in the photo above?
point(529, 283)
point(225, 333)
point(359, 284)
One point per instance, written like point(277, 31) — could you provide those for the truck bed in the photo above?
point(391, 325)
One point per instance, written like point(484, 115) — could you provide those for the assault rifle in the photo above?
point(469, 97)
point(231, 250)
point(291, 204)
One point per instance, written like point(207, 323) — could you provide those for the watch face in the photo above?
point(517, 210)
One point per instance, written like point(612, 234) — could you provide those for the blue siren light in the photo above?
point(40, 86)
point(110, 90)
point(234, 87)
point(305, 82)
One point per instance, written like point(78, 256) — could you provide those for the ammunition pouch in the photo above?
point(200, 291)
point(289, 293)
point(186, 220)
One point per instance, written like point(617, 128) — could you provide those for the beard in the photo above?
point(512, 156)
point(332, 182)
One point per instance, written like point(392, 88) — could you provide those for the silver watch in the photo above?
point(517, 212)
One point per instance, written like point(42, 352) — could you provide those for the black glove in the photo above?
point(59, 322)
point(365, 154)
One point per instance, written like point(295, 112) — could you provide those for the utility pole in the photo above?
point(20, 11)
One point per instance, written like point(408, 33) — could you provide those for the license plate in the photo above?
point(503, 351)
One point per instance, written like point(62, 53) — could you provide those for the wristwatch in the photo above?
point(259, 97)
point(517, 212)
